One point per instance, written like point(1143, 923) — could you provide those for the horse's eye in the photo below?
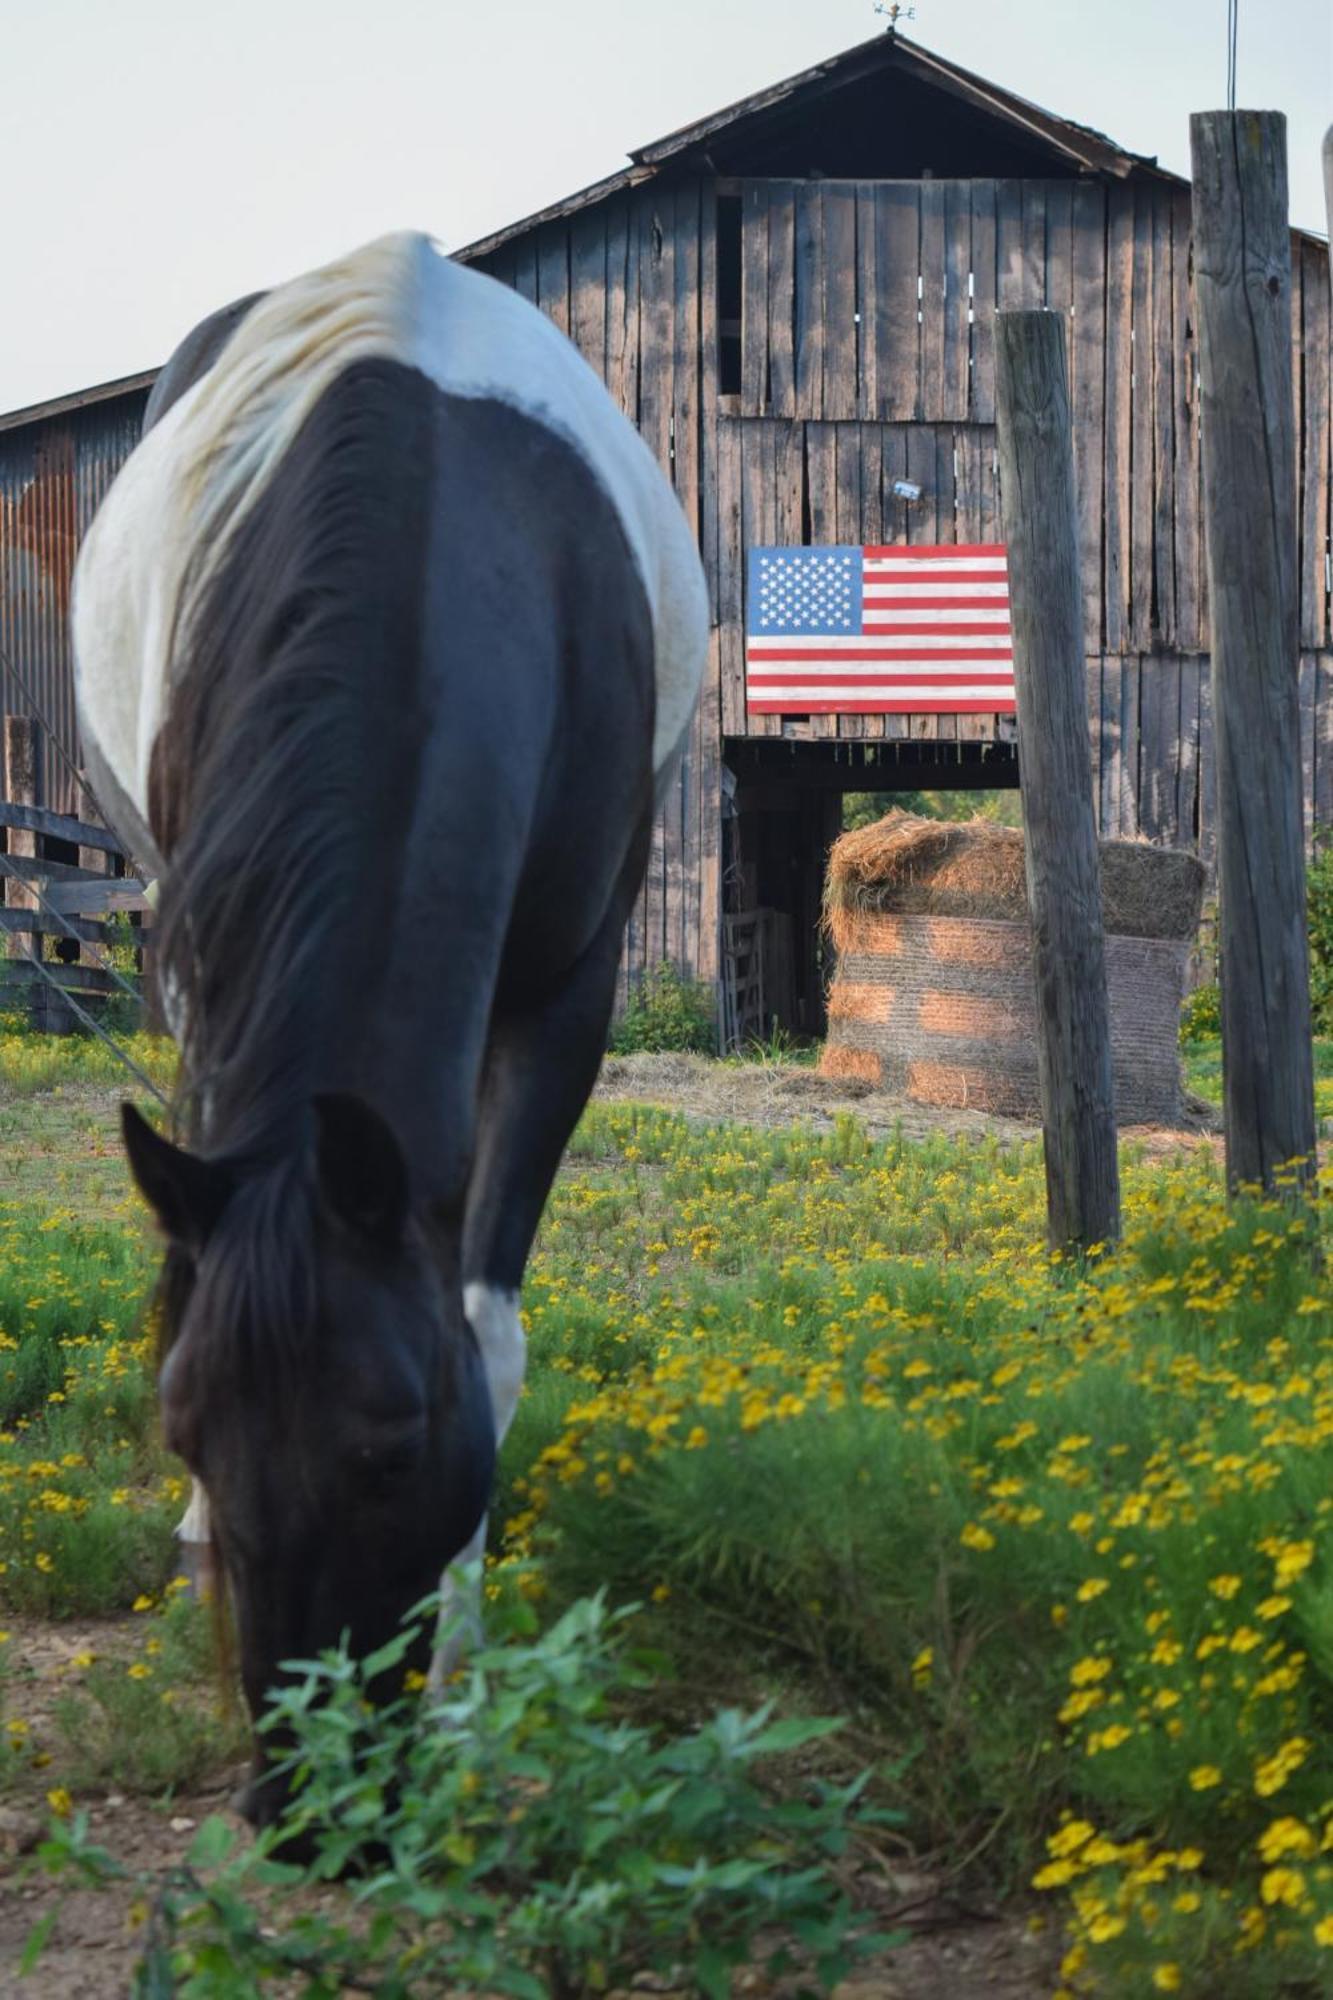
point(380, 1469)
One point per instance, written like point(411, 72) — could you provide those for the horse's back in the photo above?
point(222, 455)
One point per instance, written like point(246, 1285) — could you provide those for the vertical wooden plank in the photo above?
point(867, 378)
point(587, 288)
point(870, 529)
point(759, 519)
point(923, 529)
point(1185, 431)
point(957, 304)
point(897, 323)
point(1141, 441)
point(1208, 773)
point(1159, 747)
point(1164, 403)
point(988, 518)
point(1087, 374)
point(981, 403)
point(933, 279)
point(1323, 746)
point(973, 448)
point(683, 824)
point(553, 272)
point(656, 304)
point(708, 411)
point(1032, 255)
point(614, 304)
point(821, 465)
point(781, 298)
point(1130, 690)
point(731, 560)
point(1119, 374)
point(1316, 488)
point(525, 267)
point(810, 299)
point(501, 265)
point(754, 298)
point(685, 353)
point(893, 465)
point(1112, 772)
point(1059, 266)
point(847, 522)
point(710, 815)
point(1307, 693)
point(1187, 777)
point(840, 390)
point(1092, 681)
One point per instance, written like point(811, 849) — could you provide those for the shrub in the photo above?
point(1319, 918)
point(1201, 1015)
point(666, 1014)
point(516, 1837)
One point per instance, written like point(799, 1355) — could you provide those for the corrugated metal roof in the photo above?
point(79, 399)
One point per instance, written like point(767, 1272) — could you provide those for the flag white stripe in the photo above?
point(931, 565)
point(835, 691)
point(890, 611)
point(997, 592)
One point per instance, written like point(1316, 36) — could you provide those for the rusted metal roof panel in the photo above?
point(53, 474)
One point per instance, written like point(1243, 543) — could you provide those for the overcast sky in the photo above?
point(163, 156)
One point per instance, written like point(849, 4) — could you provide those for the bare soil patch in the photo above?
point(776, 1093)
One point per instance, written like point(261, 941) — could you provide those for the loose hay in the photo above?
point(933, 996)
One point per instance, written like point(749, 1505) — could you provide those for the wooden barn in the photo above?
point(794, 300)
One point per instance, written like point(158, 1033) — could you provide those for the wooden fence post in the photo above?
point(1242, 262)
point(1055, 760)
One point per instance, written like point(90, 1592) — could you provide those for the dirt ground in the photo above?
point(760, 1093)
point(955, 1951)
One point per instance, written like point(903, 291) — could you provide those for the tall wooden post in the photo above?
point(1242, 264)
point(1055, 762)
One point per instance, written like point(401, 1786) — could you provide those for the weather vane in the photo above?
point(894, 12)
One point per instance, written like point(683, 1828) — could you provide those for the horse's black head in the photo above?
point(320, 1381)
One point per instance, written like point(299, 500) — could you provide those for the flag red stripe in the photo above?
point(887, 579)
point(947, 625)
point(932, 551)
point(756, 654)
point(931, 601)
point(767, 679)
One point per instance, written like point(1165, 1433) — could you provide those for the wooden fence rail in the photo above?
point(54, 929)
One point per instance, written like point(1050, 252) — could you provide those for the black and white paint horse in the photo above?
point(387, 635)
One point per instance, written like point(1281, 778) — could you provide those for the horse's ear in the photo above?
point(186, 1194)
point(362, 1172)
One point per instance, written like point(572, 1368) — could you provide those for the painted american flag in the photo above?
point(879, 630)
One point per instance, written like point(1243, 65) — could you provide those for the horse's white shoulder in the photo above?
point(477, 337)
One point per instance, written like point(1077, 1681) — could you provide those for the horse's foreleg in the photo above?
point(540, 1069)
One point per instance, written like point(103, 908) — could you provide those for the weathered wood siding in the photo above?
point(633, 284)
point(866, 354)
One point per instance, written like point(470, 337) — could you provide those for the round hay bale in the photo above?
point(933, 994)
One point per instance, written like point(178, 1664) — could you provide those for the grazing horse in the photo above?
point(387, 636)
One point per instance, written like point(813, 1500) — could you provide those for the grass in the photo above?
point(1056, 1536)
point(1203, 1072)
